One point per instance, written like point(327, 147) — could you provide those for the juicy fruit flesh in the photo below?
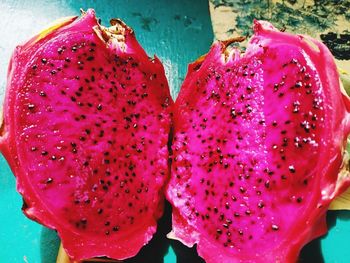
point(99, 133)
point(103, 166)
point(91, 127)
point(250, 161)
point(249, 137)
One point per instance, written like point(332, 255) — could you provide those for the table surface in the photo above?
point(177, 32)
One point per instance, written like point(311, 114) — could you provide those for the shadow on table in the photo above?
point(49, 244)
point(158, 247)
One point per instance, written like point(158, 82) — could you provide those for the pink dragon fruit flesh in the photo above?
point(258, 143)
point(85, 131)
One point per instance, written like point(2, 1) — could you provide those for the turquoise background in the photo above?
point(177, 32)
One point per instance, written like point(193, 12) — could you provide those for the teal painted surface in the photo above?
point(335, 245)
point(176, 31)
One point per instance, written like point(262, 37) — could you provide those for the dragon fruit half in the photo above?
point(85, 131)
point(258, 143)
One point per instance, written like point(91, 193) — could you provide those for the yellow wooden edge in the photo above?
point(342, 202)
point(55, 25)
point(62, 257)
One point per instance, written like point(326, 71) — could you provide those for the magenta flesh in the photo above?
point(257, 146)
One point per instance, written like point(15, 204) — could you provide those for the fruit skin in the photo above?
point(42, 201)
point(185, 190)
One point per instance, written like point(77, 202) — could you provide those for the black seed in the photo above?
point(90, 58)
point(274, 227)
point(49, 180)
point(242, 189)
point(298, 84)
point(299, 199)
point(31, 106)
point(233, 113)
point(291, 168)
point(44, 60)
point(115, 228)
point(44, 153)
point(99, 107)
point(267, 184)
